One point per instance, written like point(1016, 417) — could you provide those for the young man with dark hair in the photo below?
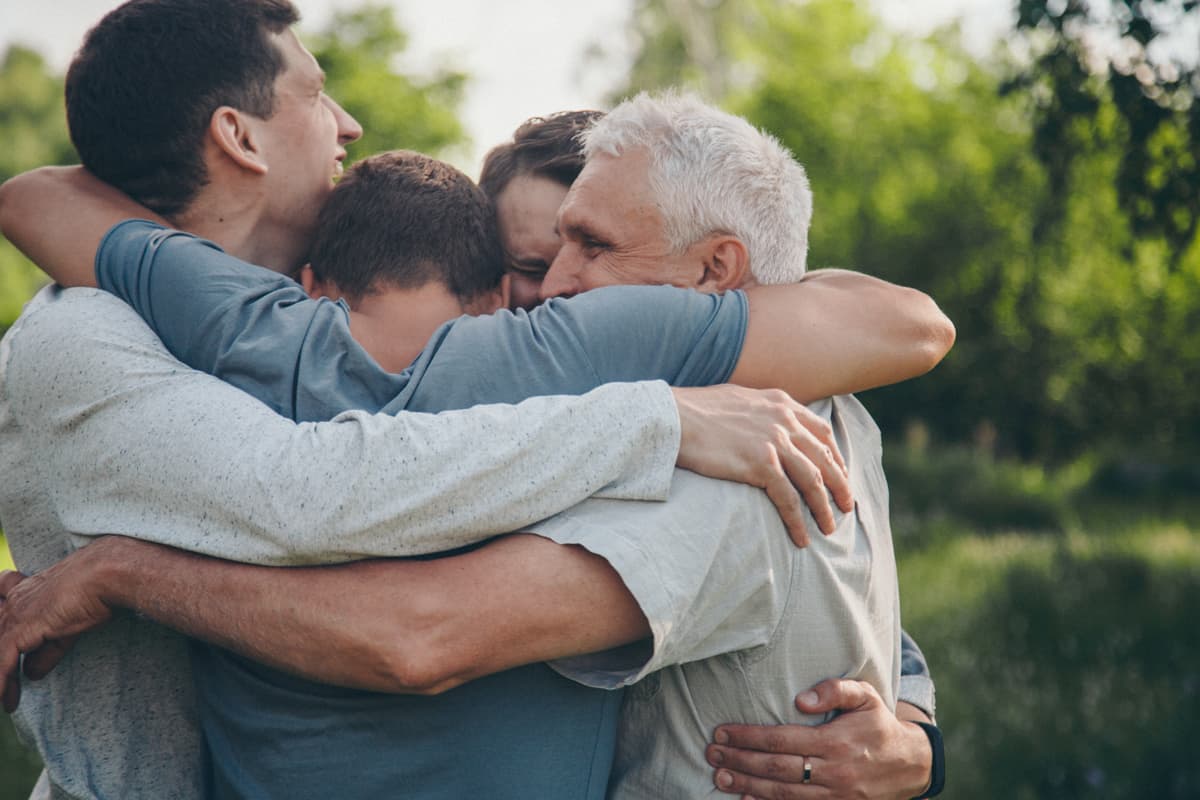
point(217, 53)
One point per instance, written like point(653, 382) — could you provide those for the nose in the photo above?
point(347, 126)
point(562, 279)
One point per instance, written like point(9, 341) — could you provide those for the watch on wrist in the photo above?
point(938, 769)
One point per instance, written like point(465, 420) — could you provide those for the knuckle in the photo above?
point(776, 741)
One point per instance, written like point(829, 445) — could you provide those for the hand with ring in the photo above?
point(866, 751)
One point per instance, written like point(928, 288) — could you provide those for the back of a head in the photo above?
point(713, 172)
point(402, 219)
point(142, 89)
point(549, 147)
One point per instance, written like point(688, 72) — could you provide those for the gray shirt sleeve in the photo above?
point(712, 579)
point(138, 444)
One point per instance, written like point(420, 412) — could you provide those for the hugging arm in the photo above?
point(35, 205)
point(839, 332)
point(397, 626)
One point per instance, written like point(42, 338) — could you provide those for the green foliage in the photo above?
point(359, 51)
point(963, 487)
point(1072, 321)
point(33, 128)
point(19, 768)
point(1153, 93)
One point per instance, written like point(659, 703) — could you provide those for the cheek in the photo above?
point(610, 271)
point(523, 292)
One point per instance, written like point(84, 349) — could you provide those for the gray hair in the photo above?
point(711, 173)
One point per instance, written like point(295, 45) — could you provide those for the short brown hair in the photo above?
point(143, 87)
point(545, 146)
point(404, 219)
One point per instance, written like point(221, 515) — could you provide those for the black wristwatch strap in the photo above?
point(938, 770)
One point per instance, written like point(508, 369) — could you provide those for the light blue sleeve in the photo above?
point(916, 684)
point(616, 334)
point(249, 326)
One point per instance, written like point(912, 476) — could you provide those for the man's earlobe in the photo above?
point(505, 291)
point(234, 135)
point(726, 265)
point(314, 287)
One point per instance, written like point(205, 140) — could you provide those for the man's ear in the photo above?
point(726, 264)
point(234, 134)
point(314, 287)
point(490, 302)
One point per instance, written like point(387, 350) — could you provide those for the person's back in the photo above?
point(842, 619)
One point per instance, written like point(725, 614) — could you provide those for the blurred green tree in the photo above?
point(1073, 321)
point(33, 128)
point(359, 51)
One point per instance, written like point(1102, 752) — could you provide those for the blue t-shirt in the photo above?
point(526, 732)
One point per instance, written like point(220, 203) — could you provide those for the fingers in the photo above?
point(10, 680)
point(42, 661)
point(784, 768)
point(819, 444)
point(782, 739)
point(8, 579)
point(806, 477)
point(840, 694)
point(780, 489)
point(749, 786)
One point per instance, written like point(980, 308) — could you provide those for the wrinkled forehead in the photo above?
point(615, 188)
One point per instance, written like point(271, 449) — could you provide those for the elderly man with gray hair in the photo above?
point(675, 191)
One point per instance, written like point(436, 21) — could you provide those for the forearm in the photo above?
point(404, 626)
point(183, 459)
point(33, 216)
point(840, 332)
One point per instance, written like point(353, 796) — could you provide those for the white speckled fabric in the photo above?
point(102, 431)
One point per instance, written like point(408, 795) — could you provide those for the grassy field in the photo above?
point(1065, 656)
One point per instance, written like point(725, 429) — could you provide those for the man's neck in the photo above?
point(394, 325)
point(238, 226)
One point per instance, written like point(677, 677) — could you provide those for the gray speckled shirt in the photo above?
point(109, 433)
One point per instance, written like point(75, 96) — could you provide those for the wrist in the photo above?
point(921, 758)
point(110, 572)
point(937, 760)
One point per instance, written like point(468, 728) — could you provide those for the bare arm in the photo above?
point(400, 626)
point(839, 332)
point(34, 205)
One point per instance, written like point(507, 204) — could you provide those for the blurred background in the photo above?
point(1035, 167)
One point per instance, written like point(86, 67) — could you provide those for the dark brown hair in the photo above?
point(404, 219)
point(143, 87)
point(546, 146)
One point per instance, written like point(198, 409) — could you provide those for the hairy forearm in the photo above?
point(33, 209)
point(397, 626)
point(839, 332)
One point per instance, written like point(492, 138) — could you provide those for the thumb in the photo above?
point(838, 694)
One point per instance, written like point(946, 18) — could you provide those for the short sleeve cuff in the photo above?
point(918, 690)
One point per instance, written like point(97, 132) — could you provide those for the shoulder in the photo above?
point(70, 342)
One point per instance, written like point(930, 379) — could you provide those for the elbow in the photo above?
point(932, 330)
point(423, 673)
point(7, 205)
point(422, 656)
